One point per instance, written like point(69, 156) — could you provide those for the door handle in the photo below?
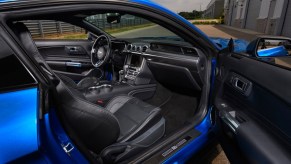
point(73, 49)
point(239, 84)
point(73, 64)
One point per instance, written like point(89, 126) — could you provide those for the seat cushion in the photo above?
point(134, 116)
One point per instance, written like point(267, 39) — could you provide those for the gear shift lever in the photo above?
point(121, 75)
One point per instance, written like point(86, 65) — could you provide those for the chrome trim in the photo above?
point(229, 120)
point(73, 64)
point(68, 148)
point(177, 57)
point(101, 86)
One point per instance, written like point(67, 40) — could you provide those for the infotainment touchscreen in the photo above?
point(135, 61)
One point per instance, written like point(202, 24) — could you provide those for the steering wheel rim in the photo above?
point(100, 52)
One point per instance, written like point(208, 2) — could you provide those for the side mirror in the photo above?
point(273, 47)
point(113, 18)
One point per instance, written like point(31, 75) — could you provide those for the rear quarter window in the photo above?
point(13, 73)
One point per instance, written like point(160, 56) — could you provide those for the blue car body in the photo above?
point(240, 45)
point(55, 140)
point(273, 52)
point(18, 119)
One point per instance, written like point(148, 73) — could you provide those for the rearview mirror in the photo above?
point(113, 18)
point(273, 47)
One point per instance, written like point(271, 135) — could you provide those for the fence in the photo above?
point(43, 28)
point(102, 23)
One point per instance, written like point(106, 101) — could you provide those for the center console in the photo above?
point(134, 80)
point(133, 66)
point(136, 70)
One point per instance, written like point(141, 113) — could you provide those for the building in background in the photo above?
point(271, 17)
point(214, 9)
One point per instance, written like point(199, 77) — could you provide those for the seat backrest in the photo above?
point(96, 127)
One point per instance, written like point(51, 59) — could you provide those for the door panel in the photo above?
point(68, 57)
point(19, 105)
point(64, 48)
point(254, 108)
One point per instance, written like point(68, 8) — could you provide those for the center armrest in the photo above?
point(104, 92)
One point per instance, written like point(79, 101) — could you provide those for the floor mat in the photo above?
point(177, 108)
point(178, 111)
point(161, 96)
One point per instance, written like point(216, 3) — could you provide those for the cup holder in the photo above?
point(107, 88)
point(103, 87)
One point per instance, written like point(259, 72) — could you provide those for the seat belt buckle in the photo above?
point(68, 148)
point(100, 101)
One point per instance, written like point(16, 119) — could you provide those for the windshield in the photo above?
point(129, 26)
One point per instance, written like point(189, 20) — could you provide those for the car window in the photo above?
point(130, 26)
point(13, 73)
point(50, 29)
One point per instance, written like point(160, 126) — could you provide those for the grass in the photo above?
point(83, 36)
point(75, 36)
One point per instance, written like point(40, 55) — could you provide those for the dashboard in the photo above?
point(172, 64)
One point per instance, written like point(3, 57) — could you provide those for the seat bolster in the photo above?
point(96, 127)
point(117, 102)
point(134, 116)
point(146, 124)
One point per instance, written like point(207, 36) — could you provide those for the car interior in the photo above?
point(142, 98)
point(118, 97)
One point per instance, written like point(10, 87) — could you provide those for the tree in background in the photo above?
point(192, 15)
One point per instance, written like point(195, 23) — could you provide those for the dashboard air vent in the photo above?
point(129, 47)
point(189, 51)
point(138, 49)
point(144, 48)
point(133, 48)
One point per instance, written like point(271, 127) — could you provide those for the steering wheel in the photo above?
point(101, 50)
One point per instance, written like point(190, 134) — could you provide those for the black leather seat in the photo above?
point(123, 128)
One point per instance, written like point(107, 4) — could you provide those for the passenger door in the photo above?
point(68, 57)
point(253, 109)
point(19, 107)
point(65, 47)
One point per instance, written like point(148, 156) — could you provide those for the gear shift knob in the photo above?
point(121, 75)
